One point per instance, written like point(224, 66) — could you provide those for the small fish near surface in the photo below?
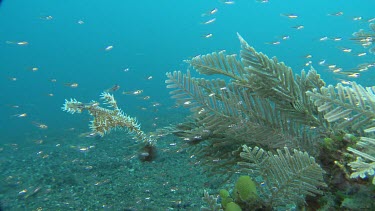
point(211, 12)
point(108, 48)
point(227, 2)
point(340, 13)
point(136, 92)
point(208, 35)
point(291, 16)
point(262, 1)
point(299, 27)
point(17, 42)
point(72, 85)
point(113, 88)
point(209, 21)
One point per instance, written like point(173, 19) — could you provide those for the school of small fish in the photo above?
point(364, 39)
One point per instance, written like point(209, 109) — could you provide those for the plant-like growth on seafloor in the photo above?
point(283, 179)
point(259, 102)
point(353, 109)
point(261, 118)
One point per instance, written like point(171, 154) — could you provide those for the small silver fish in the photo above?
point(113, 88)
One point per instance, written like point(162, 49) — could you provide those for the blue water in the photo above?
point(150, 38)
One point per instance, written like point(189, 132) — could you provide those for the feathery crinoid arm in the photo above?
point(106, 119)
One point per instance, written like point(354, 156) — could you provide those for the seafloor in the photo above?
point(68, 172)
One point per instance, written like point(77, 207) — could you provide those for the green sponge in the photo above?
point(224, 193)
point(246, 188)
point(225, 198)
point(231, 206)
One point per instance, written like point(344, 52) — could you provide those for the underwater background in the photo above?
point(56, 50)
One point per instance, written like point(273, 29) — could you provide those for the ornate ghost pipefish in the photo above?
point(107, 119)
